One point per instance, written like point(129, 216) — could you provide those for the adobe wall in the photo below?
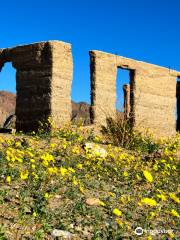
point(44, 77)
point(153, 92)
point(43, 82)
point(178, 105)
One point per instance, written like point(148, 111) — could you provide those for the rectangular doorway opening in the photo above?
point(125, 93)
point(178, 104)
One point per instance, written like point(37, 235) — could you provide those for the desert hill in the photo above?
point(8, 101)
point(7, 105)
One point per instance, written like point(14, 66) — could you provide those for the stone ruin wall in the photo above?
point(152, 92)
point(44, 76)
point(43, 82)
point(178, 104)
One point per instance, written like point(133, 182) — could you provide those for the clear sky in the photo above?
point(147, 30)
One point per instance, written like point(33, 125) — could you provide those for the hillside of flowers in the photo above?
point(73, 184)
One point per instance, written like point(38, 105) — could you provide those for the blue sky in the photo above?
point(147, 30)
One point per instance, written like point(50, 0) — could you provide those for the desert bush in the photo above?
point(120, 132)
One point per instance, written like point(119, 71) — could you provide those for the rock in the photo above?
point(95, 150)
point(93, 201)
point(62, 233)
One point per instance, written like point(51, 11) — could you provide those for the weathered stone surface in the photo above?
point(93, 202)
point(178, 105)
point(43, 82)
point(63, 234)
point(152, 92)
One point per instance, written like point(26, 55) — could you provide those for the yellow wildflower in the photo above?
point(166, 152)
point(19, 159)
point(112, 194)
point(8, 179)
point(33, 166)
point(117, 212)
point(63, 171)
point(34, 214)
point(64, 146)
point(52, 170)
point(174, 167)
point(18, 144)
point(47, 157)
point(35, 176)
point(123, 199)
point(126, 174)
point(173, 197)
point(45, 163)
point(171, 234)
point(174, 213)
point(46, 195)
point(76, 150)
point(97, 138)
point(148, 176)
point(138, 177)
point(52, 145)
point(161, 196)
point(149, 238)
point(119, 222)
point(79, 165)
point(155, 167)
point(71, 169)
point(24, 175)
point(149, 201)
point(152, 214)
point(163, 160)
point(75, 182)
point(102, 203)
point(30, 154)
point(81, 189)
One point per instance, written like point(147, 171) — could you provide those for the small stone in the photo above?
point(71, 225)
point(95, 150)
point(93, 201)
point(58, 196)
point(62, 233)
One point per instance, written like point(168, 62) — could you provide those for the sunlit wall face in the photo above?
point(178, 105)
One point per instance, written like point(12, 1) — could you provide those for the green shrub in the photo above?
point(120, 132)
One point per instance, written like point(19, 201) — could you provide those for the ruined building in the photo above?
point(43, 82)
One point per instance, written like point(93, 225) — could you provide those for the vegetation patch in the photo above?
point(82, 184)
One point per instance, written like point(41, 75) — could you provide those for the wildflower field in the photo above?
point(75, 181)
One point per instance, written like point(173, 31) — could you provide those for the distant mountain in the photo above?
point(7, 105)
point(80, 111)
